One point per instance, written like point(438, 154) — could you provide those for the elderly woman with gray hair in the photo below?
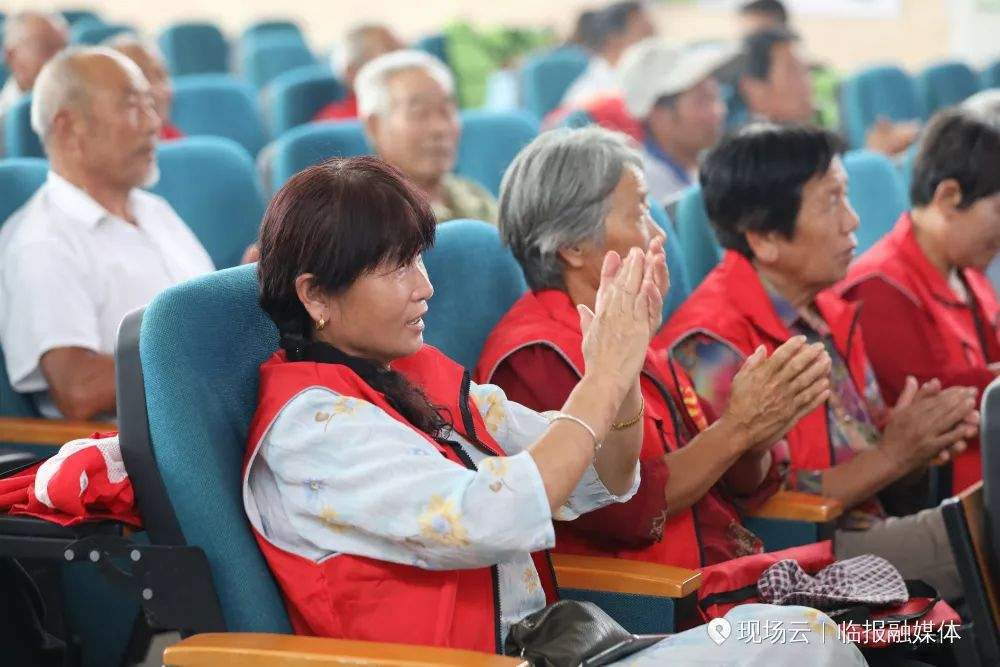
point(567, 199)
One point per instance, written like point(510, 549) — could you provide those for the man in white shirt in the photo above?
point(611, 31)
point(89, 246)
point(30, 40)
point(673, 92)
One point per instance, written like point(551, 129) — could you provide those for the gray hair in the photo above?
point(15, 28)
point(126, 40)
point(372, 83)
point(986, 106)
point(351, 51)
point(59, 85)
point(555, 193)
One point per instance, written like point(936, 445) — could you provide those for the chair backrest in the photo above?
point(476, 281)
point(93, 33)
point(204, 340)
point(990, 76)
point(294, 97)
point(74, 16)
point(219, 105)
point(546, 77)
point(876, 192)
point(436, 45)
point(270, 28)
point(680, 283)
point(490, 141)
point(990, 440)
point(212, 184)
point(266, 57)
point(946, 84)
point(19, 178)
point(18, 138)
point(698, 243)
point(878, 91)
point(310, 144)
point(976, 562)
point(194, 48)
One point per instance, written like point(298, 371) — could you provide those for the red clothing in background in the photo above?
point(169, 132)
point(345, 109)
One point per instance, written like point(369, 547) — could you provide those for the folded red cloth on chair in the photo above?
point(84, 481)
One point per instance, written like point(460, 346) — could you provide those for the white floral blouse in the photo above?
point(384, 492)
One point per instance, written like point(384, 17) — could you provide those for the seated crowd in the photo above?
point(590, 425)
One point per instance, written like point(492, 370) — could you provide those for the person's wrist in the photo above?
point(734, 432)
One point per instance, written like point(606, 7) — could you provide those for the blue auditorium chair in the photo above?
point(294, 97)
point(19, 139)
point(436, 45)
point(91, 33)
point(194, 513)
point(476, 281)
point(990, 76)
point(546, 77)
point(696, 236)
point(194, 48)
point(218, 105)
point(74, 16)
point(946, 84)
point(490, 140)
point(211, 183)
point(266, 57)
point(271, 28)
point(877, 193)
point(878, 91)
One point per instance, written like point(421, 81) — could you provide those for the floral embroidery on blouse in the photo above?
point(440, 522)
point(342, 405)
point(530, 580)
point(494, 413)
point(497, 467)
point(331, 519)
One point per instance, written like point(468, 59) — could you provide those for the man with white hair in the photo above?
point(672, 91)
point(363, 44)
point(406, 101)
point(30, 39)
point(89, 246)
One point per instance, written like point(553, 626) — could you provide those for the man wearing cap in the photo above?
point(671, 90)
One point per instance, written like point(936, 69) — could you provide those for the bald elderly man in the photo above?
point(149, 58)
point(30, 39)
point(89, 246)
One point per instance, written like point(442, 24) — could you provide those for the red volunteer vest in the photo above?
point(352, 597)
point(549, 318)
point(733, 306)
point(898, 260)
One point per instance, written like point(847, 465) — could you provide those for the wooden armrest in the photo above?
point(798, 506)
point(618, 575)
point(34, 431)
point(247, 649)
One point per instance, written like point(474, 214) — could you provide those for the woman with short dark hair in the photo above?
point(777, 197)
point(929, 311)
point(393, 499)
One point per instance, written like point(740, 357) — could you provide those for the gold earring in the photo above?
point(320, 324)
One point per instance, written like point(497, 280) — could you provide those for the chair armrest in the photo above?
point(798, 506)
point(247, 649)
point(618, 575)
point(35, 431)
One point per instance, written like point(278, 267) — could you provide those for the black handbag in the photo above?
point(573, 634)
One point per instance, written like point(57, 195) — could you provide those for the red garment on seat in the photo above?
point(914, 323)
point(84, 481)
point(345, 109)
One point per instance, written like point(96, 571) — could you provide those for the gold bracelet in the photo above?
point(621, 426)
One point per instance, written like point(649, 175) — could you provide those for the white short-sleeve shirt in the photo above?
point(70, 271)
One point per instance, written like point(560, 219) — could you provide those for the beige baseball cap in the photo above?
point(655, 68)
